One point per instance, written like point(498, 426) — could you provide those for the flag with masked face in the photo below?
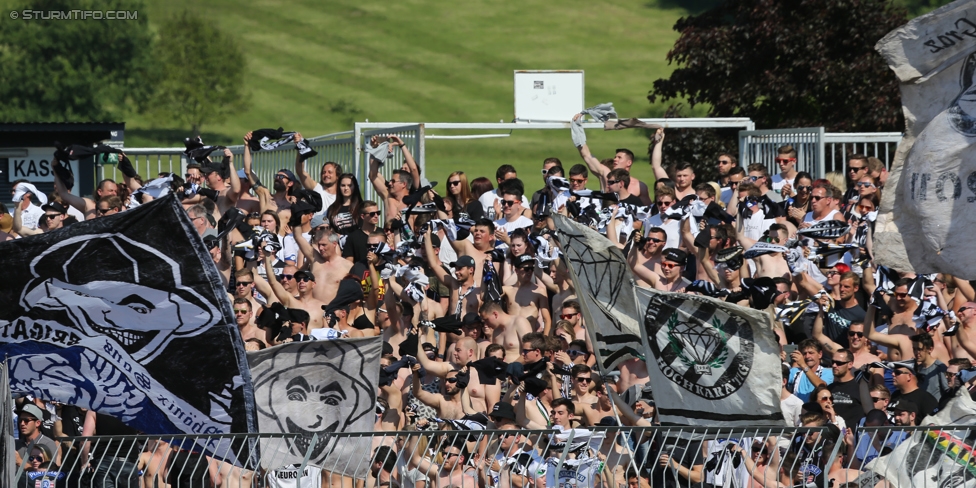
point(715, 363)
point(125, 315)
point(605, 288)
point(311, 391)
point(929, 197)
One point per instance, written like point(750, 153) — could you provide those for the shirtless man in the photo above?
point(226, 194)
point(85, 205)
point(465, 291)
point(483, 235)
point(245, 289)
point(902, 320)
point(771, 265)
point(448, 405)
point(651, 254)
point(855, 334)
point(899, 345)
point(582, 390)
point(672, 268)
point(564, 285)
point(506, 329)
point(528, 299)
point(451, 472)
point(633, 372)
point(480, 398)
point(328, 265)
point(964, 342)
point(306, 295)
point(392, 191)
point(245, 320)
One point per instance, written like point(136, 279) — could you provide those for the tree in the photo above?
point(787, 63)
point(201, 73)
point(73, 70)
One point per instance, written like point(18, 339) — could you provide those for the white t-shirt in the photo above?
point(779, 182)
point(672, 227)
point(754, 226)
point(489, 198)
point(809, 217)
point(519, 223)
point(289, 247)
point(327, 198)
point(288, 477)
point(574, 472)
point(31, 217)
point(791, 410)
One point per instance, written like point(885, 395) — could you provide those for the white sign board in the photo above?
point(548, 96)
point(35, 166)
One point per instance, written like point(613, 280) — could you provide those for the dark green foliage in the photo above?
point(783, 63)
point(73, 70)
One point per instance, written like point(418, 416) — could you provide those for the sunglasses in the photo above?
point(575, 354)
point(451, 380)
point(303, 279)
point(654, 240)
point(784, 160)
point(816, 198)
point(245, 283)
point(663, 204)
point(567, 316)
point(668, 265)
point(753, 178)
point(722, 161)
point(826, 398)
point(901, 295)
point(855, 168)
point(875, 399)
point(35, 458)
point(526, 351)
point(50, 216)
point(454, 183)
point(584, 380)
point(804, 188)
point(963, 309)
point(839, 363)
point(103, 211)
point(371, 214)
point(287, 276)
point(852, 333)
point(578, 180)
point(899, 372)
point(612, 182)
point(240, 311)
point(449, 455)
point(865, 184)
point(508, 203)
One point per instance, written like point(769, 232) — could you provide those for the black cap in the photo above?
point(903, 405)
point(55, 207)
point(298, 315)
point(304, 274)
point(535, 386)
point(464, 262)
point(503, 410)
point(428, 347)
point(471, 318)
point(676, 256)
point(525, 261)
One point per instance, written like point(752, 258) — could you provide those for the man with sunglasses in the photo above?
point(851, 397)
point(244, 318)
point(783, 182)
point(821, 206)
point(511, 206)
point(51, 220)
point(448, 403)
point(964, 341)
point(859, 344)
point(730, 187)
point(305, 300)
point(857, 167)
point(906, 383)
point(759, 176)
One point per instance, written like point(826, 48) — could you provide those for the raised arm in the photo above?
point(706, 264)
point(744, 241)
point(263, 287)
point(377, 179)
point(657, 155)
point(900, 341)
point(279, 291)
point(435, 262)
point(235, 181)
point(428, 398)
point(408, 160)
point(818, 328)
point(19, 222)
point(593, 163)
point(307, 181)
point(66, 196)
point(303, 245)
point(436, 368)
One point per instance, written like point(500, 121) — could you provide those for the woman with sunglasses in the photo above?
point(797, 204)
point(464, 202)
point(39, 459)
point(825, 399)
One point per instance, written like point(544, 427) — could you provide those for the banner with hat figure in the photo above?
point(929, 198)
point(714, 362)
point(125, 315)
point(318, 388)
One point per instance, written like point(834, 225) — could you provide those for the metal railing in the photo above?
point(596, 456)
point(818, 152)
point(149, 162)
point(411, 134)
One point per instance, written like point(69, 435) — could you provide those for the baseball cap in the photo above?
point(676, 256)
point(32, 410)
point(464, 262)
point(503, 410)
point(288, 174)
point(317, 220)
point(525, 261)
point(903, 405)
point(304, 274)
point(471, 318)
point(55, 207)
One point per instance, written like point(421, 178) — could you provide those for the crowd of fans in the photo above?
point(482, 329)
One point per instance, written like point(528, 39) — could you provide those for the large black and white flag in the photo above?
point(715, 363)
point(604, 285)
point(318, 388)
point(125, 315)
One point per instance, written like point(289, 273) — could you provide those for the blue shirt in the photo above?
point(801, 387)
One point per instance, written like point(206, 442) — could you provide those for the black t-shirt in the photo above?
point(343, 221)
point(356, 246)
point(839, 321)
point(633, 200)
point(927, 404)
point(847, 401)
point(686, 453)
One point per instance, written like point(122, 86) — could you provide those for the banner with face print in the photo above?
point(125, 315)
point(928, 200)
point(315, 389)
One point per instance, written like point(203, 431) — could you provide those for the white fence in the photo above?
point(818, 152)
